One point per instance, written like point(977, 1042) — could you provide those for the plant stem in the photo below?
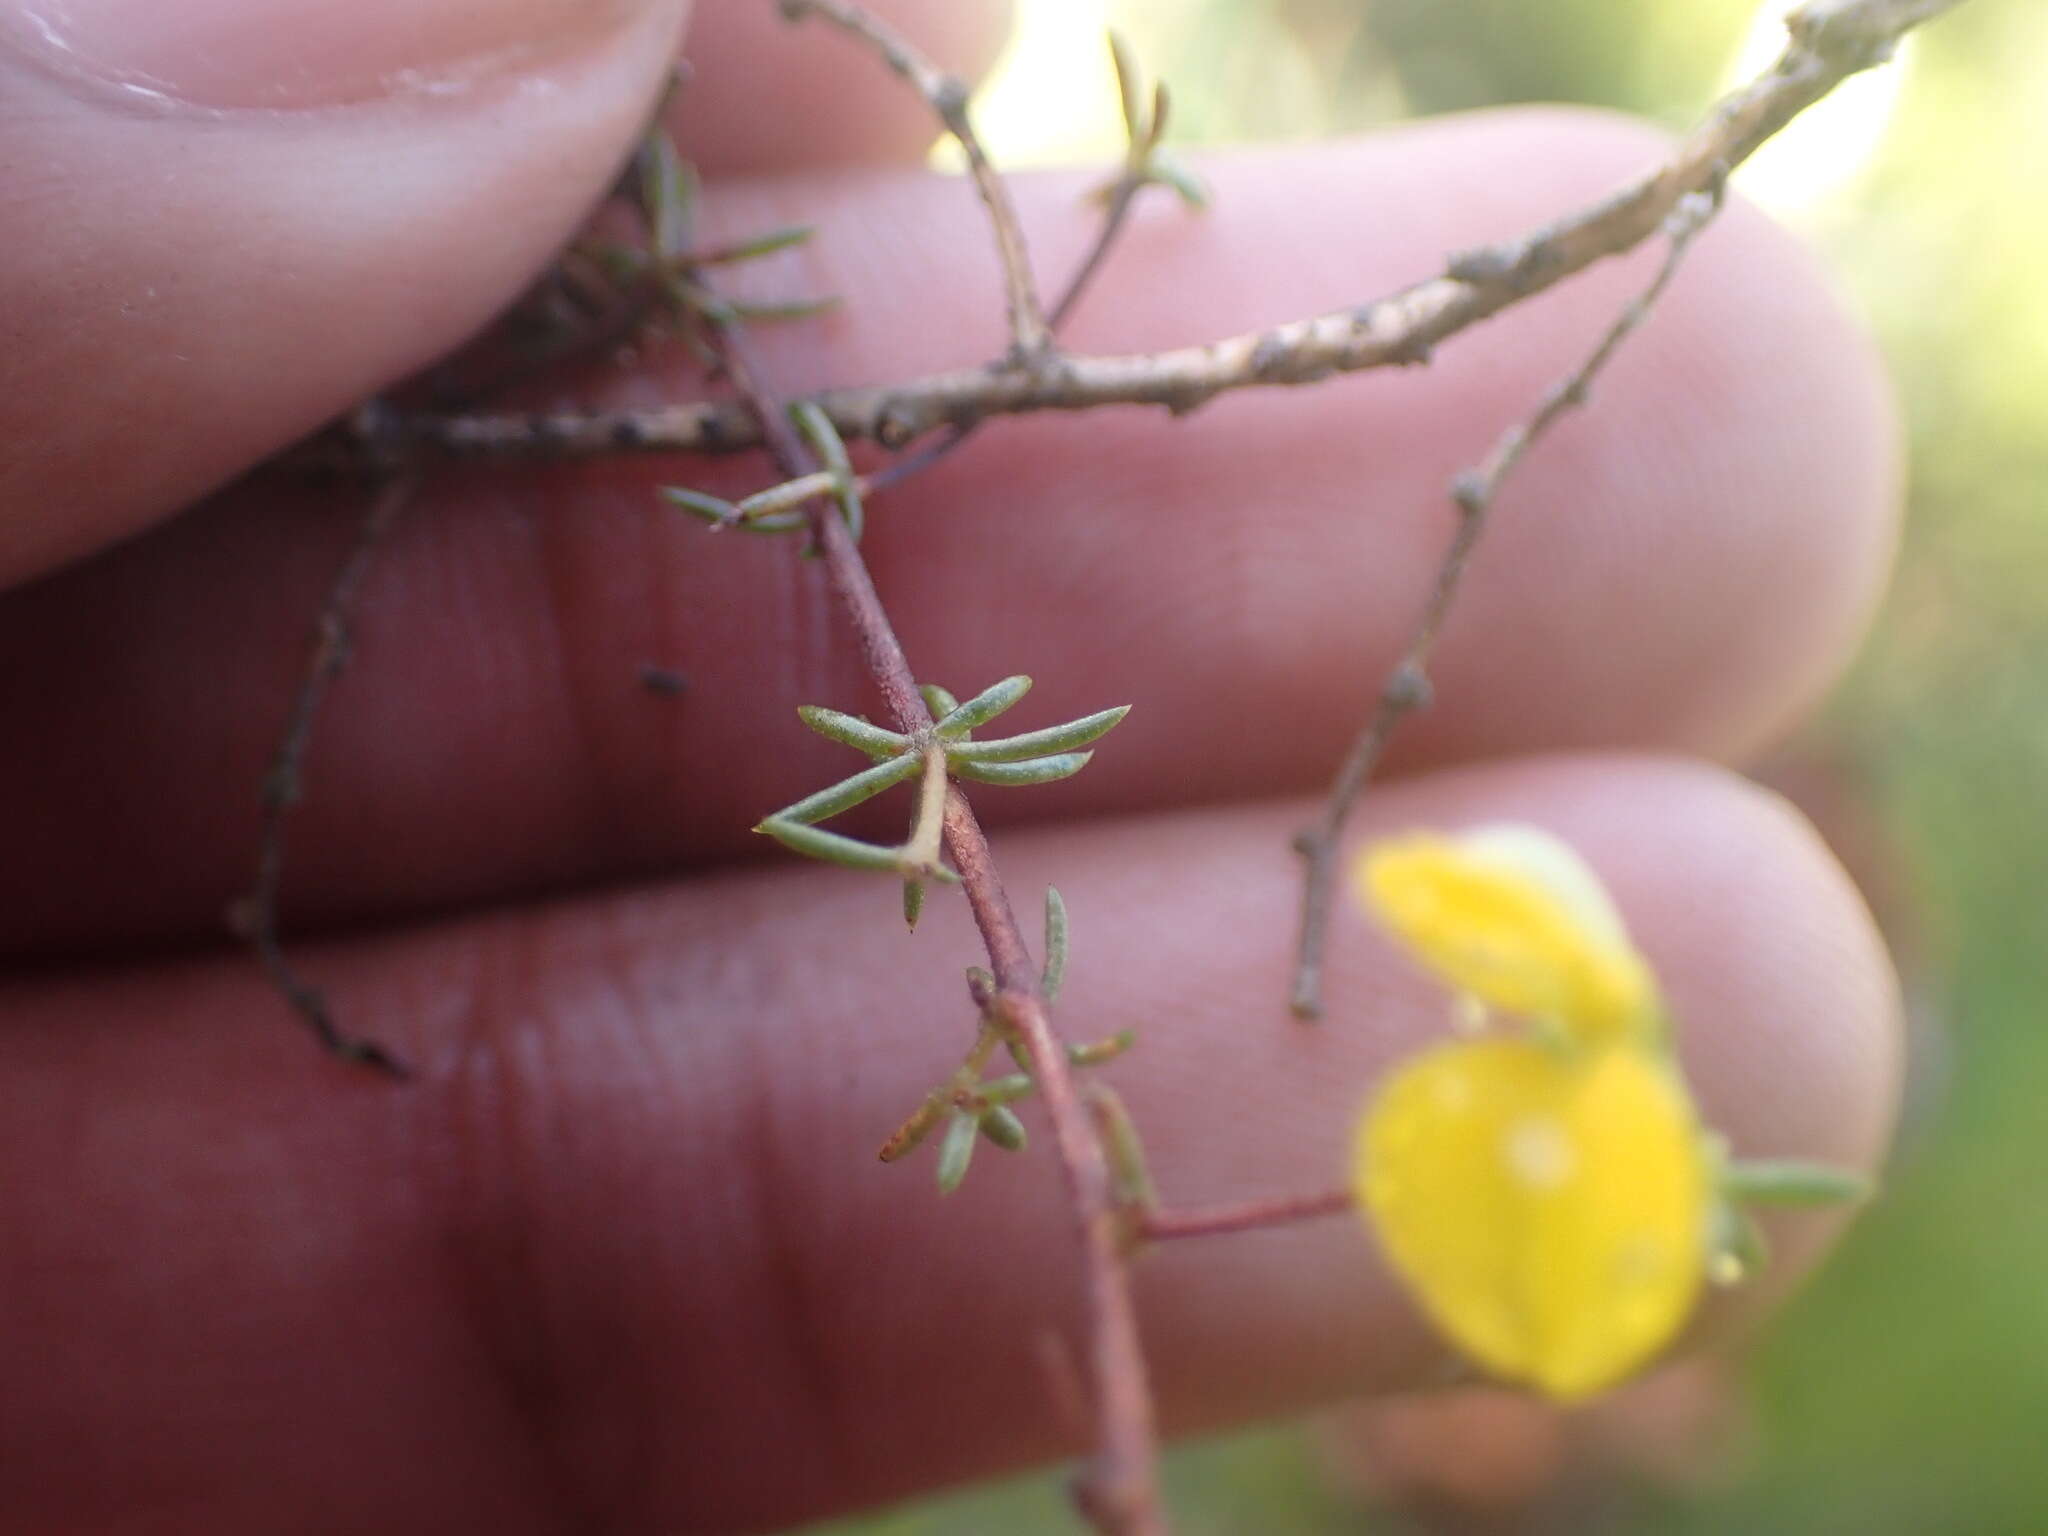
point(254, 917)
point(1245, 1216)
point(1830, 40)
point(1121, 1491)
point(1407, 686)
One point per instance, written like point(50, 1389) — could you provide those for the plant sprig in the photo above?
point(946, 749)
point(1145, 164)
point(782, 507)
point(668, 191)
point(977, 1108)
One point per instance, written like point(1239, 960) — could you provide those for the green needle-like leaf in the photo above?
point(1738, 1249)
point(1002, 1127)
point(774, 522)
point(668, 194)
point(1054, 738)
point(983, 707)
point(747, 515)
point(1155, 130)
point(1004, 1090)
point(847, 852)
point(817, 430)
point(956, 1151)
point(1171, 173)
point(1096, 1052)
point(1040, 770)
point(852, 731)
point(784, 309)
point(1055, 944)
point(711, 508)
point(1793, 1183)
point(913, 902)
point(848, 793)
point(760, 245)
point(816, 427)
point(621, 263)
point(695, 297)
point(787, 496)
point(937, 700)
point(1130, 1181)
point(1127, 83)
point(1017, 1085)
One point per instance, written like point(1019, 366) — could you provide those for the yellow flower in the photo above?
point(1547, 1196)
point(1549, 1209)
point(1511, 916)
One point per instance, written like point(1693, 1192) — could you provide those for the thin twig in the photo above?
point(1121, 196)
point(1246, 1216)
point(254, 917)
point(942, 1099)
point(1407, 687)
point(947, 97)
point(1116, 213)
point(1830, 40)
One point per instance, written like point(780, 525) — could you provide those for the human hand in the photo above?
point(622, 1256)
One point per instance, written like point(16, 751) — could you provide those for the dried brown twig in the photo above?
point(1141, 168)
point(947, 97)
point(1407, 686)
point(1830, 40)
point(254, 917)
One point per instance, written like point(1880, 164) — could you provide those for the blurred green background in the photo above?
point(1906, 1390)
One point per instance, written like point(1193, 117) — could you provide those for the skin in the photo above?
point(622, 1259)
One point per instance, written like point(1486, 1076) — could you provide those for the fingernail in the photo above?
point(307, 53)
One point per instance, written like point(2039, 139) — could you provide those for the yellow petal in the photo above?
point(1549, 1212)
point(1512, 916)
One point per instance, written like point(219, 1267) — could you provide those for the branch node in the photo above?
point(1484, 266)
point(896, 425)
point(1468, 492)
point(1408, 688)
point(981, 987)
point(379, 434)
point(949, 100)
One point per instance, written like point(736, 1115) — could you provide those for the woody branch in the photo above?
point(1828, 41)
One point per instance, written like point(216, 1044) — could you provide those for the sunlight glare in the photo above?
point(1051, 99)
point(1822, 153)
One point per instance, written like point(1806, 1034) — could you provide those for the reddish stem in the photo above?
point(1245, 1216)
point(1121, 1491)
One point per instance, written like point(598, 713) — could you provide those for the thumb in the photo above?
point(230, 219)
